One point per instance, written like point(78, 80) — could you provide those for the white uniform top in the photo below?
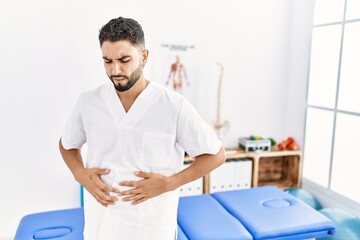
point(150, 137)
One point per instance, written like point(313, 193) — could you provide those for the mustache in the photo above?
point(118, 76)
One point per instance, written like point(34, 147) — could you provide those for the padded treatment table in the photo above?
point(265, 213)
point(65, 224)
point(62, 224)
point(270, 213)
point(203, 218)
point(181, 234)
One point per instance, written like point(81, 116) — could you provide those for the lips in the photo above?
point(119, 79)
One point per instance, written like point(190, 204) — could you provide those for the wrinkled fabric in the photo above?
point(151, 137)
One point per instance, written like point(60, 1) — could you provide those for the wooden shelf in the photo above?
point(279, 184)
point(277, 168)
point(238, 153)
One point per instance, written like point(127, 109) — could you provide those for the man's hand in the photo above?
point(90, 179)
point(150, 186)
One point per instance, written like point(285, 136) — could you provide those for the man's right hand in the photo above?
point(90, 179)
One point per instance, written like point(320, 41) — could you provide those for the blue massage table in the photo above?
point(263, 213)
point(62, 224)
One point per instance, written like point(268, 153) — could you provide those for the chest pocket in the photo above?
point(158, 152)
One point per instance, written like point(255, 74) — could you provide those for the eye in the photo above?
point(107, 61)
point(124, 60)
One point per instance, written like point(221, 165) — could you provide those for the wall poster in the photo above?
point(176, 67)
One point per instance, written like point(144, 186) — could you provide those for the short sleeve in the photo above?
point(194, 134)
point(73, 136)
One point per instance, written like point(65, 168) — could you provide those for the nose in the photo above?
point(116, 68)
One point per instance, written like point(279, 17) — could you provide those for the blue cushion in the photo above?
point(62, 224)
point(52, 233)
point(305, 196)
point(203, 218)
point(347, 224)
point(181, 234)
point(270, 213)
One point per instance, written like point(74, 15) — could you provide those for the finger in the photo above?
point(107, 202)
point(108, 188)
point(106, 197)
point(128, 184)
point(105, 187)
point(99, 200)
point(112, 199)
point(129, 192)
point(142, 174)
point(102, 171)
point(133, 198)
point(139, 201)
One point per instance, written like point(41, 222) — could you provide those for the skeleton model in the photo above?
point(221, 127)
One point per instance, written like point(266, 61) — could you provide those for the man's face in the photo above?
point(123, 63)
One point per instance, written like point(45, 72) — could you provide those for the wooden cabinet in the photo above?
point(278, 168)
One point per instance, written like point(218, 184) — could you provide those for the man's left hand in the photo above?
point(150, 186)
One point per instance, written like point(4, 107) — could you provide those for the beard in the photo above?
point(131, 80)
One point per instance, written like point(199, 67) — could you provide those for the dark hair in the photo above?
point(122, 29)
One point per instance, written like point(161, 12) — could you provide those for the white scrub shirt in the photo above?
point(150, 137)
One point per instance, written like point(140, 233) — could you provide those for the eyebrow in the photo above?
point(122, 58)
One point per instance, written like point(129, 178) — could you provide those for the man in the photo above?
point(136, 132)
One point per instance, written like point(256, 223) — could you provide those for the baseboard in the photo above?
point(331, 199)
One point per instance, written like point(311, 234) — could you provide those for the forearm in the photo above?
point(73, 160)
point(201, 166)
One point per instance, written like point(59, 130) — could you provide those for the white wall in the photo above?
point(298, 69)
point(49, 53)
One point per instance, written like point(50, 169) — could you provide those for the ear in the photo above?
point(144, 56)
